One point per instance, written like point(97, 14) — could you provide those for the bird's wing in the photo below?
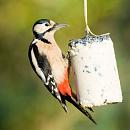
point(42, 68)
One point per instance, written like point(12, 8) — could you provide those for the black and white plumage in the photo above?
point(42, 68)
point(50, 65)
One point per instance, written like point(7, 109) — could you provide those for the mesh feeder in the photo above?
point(95, 70)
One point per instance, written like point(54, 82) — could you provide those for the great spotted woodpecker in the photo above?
point(50, 64)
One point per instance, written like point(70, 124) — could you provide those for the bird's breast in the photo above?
point(57, 63)
point(59, 68)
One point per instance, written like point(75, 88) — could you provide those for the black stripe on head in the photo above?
point(41, 21)
point(40, 37)
point(49, 30)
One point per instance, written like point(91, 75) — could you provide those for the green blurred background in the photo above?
point(25, 104)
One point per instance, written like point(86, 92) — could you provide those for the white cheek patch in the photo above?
point(40, 28)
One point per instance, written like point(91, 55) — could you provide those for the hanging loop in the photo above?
point(88, 31)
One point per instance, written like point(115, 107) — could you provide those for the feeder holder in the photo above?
point(94, 69)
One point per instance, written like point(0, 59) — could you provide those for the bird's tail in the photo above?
point(80, 108)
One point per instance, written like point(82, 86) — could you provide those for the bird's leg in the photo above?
point(69, 62)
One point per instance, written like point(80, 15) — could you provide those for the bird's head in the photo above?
point(45, 27)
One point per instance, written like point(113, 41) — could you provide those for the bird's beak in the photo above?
point(59, 26)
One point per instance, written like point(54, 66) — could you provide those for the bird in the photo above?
point(51, 65)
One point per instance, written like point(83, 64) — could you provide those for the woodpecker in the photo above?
point(50, 64)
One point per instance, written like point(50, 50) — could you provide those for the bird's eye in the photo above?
point(46, 24)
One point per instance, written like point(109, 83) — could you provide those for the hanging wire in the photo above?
point(86, 17)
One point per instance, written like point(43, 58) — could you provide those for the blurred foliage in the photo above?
point(25, 104)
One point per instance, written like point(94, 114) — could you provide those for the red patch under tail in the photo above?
point(64, 87)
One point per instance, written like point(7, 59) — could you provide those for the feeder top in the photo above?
point(89, 39)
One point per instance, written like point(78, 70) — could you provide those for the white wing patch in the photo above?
point(38, 70)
